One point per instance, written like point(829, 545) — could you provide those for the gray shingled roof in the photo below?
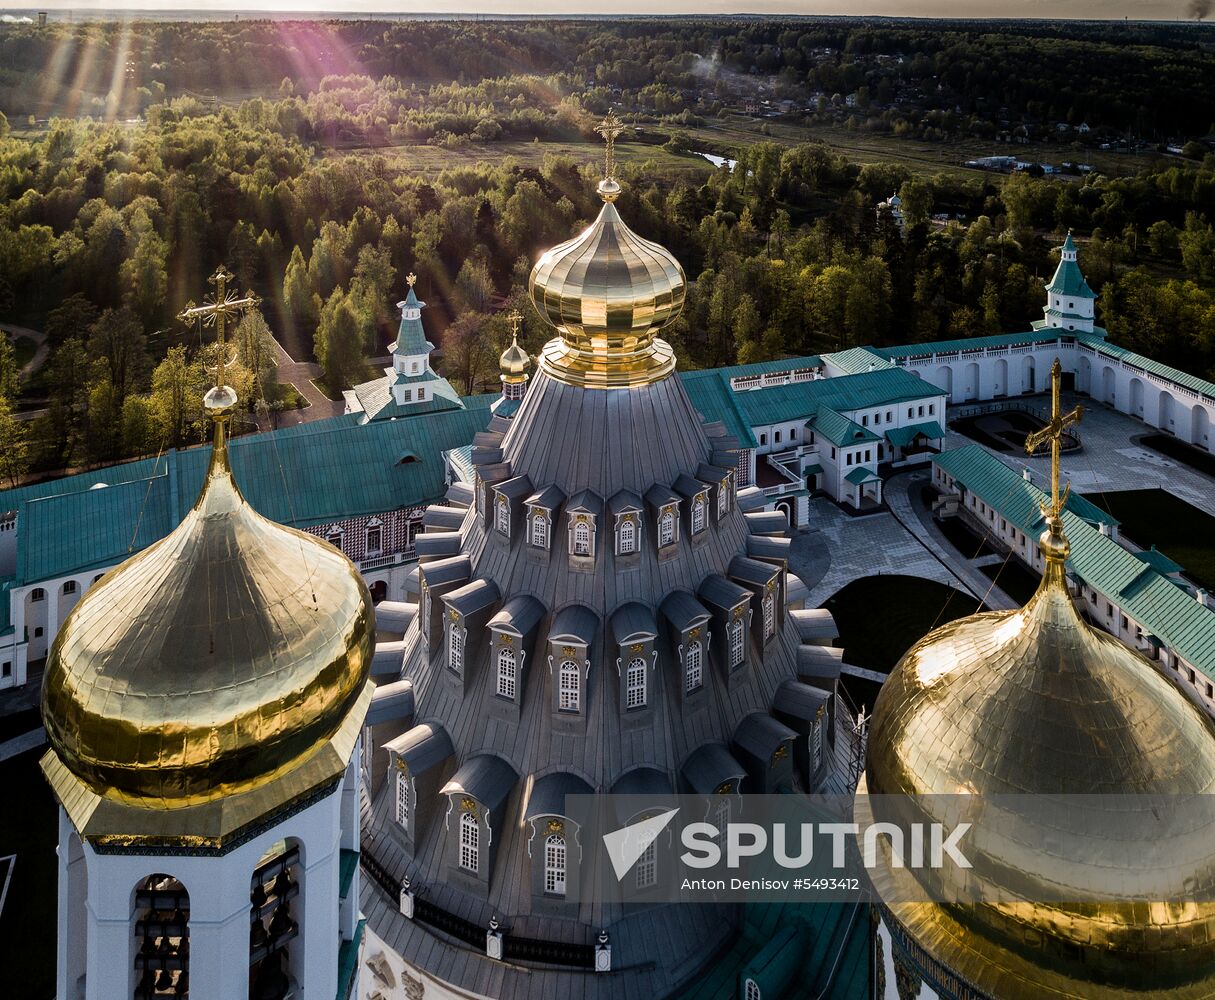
point(760, 734)
point(815, 625)
point(437, 545)
point(587, 502)
point(709, 767)
point(722, 593)
point(688, 487)
point(519, 615)
point(443, 571)
point(751, 570)
point(515, 489)
point(624, 500)
point(441, 518)
point(802, 701)
point(422, 747)
point(819, 661)
point(643, 781)
point(550, 498)
point(486, 777)
point(548, 794)
point(395, 616)
point(633, 620)
point(473, 597)
point(387, 659)
point(767, 522)
point(575, 622)
point(769, 547)
point(660, 495)
point(391, 702)
point(683, 611)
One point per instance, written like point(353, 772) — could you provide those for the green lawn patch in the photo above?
point(1155, 517)
point(910, 608)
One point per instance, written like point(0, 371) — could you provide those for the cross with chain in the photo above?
point(610, 128)
point(1053, 432)
point(215, 312)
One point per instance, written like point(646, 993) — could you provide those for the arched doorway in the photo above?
point(1029, 379)
point(787, 507)
point(947, 381)
point(1200, 427)
point(972, 389)
point(1164, 413)
point(1137, 398)
point(1000, 388)
point(1084, 377)
point(379, 591)
point(1108, 394)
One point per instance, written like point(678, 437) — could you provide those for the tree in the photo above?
point(118, 340)
point(370, 292)
point(1197, 242)
point(14, 445)
point(339, 341)
point(142, 273)
point(298, 294)
point(474, 286)
point(71, 318)
point(177, 391)
point(254, 349)
point(466, 353)
point(1162, 238)
point(917, 198)
point(10, 372)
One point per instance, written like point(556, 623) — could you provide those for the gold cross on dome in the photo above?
point(610, 128)
point(411, 279)
point(1053, 432)
point(215, 312)
point(515, 318)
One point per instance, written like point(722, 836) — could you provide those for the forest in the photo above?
point(109, 227)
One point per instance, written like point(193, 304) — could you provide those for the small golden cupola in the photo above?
point(514, 361)
point(608, 292)
point(213, 678)
point(1036, 702)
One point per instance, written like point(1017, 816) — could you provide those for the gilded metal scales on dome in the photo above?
point(608, 292)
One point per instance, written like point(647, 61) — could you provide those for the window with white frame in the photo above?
point(723, 498)
point(569, 686)
point(375, 539)
point(539, 530)
point(751, 990)
point(508, 672)
point(69, 587)
point(635, 684)
point(698, 515)
point(666, 529)
point(37, 594)
point(769, 606)
point(693, 667)
point(470, 843)
point(554, 864)
point(582, 538)
point(455, 646)
point(646, 870)
point(736, 642)
point(402, 803)
point(502, 516)
point(628, 536)
point(721, 816)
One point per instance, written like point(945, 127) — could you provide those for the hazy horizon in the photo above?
point(1149, 10)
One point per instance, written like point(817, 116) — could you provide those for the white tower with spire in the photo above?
point(1069, 301)
point(514, 364)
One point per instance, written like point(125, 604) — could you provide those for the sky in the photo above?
point(1100, 9)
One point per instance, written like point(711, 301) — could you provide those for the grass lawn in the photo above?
point(1155, 517)
point(28, 829)
point(907, 607)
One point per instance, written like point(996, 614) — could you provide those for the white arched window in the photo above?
point(503, 515)
point(69, 587)
point(554, 864)
point(769, 616)
point(736, 643)
point(723, 498)
point(455, 646)
point(693, 668)
point(647, 866)
point(635, 686)
point(539, 531)
point(582, 539)
point(666, 529)
point(402, 803)
point(628, 536)
point(751, 990)
point(470, 843)
point(507, 672)
point(698, 515)
point(569, 686)
point(374, 539)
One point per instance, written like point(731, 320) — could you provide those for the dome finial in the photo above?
point(514, 361)
point(215, 311)
point(609, 128)
point(1053, 542)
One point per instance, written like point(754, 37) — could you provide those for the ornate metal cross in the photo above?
point(215, 312)
point(411, 279)
point(610, 128)
point(515, 318)
point(1053, 432)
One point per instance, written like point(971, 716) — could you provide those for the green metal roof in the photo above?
point(302, 476)
point(813, 470)
point(840, 430)
point(1048, 335)
point(1159, 561)
point(859, 476)
point(713, 398)
point(1068, 278)
point(1192, 382)
point(6, 618)
point(411, 338)
point(379, 403)
point(899, 436)
point(857, 359)
point(1162, 608)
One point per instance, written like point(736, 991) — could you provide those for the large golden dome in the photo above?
point(1037, 702)
point(223, 660)
point(608, 292)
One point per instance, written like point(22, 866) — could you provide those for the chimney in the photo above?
point(1203, 597)
point(1104, 528)
point(1026, 476)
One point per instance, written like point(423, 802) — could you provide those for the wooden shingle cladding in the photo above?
point(434, 580)
point(815, 625)
point(509, 497)
point(512, 632)
point(767, 522)
point(712, 770)
point(662, 512)
point(387, 658)
point(810, 712)
point(433, 545)
point(395, 617)
point(751, 500)
point(460, 495)
point(440, 517)
point(772, 549)
point(480, 789)
point(730, 606)
point(765, 747)
point(767, 601)
point(687, 647)
point(467, 612)
point(423, 759)
point(819, 665)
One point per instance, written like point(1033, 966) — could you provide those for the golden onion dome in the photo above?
point(608, 292)
point(514, 362)
point(1037, 702)
point(220, 661)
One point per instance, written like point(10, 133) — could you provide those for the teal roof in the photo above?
point(899, 436)
point(1159, 561)
point(379, 403)
point(461, 462)
point(1161, 607)
point(838, 429)
point(306, 475)
point(715, 400)
point(861, 475)
point(1192, 382)
point(857, 359)
point(411, 338)
point(1068, 279)
point(1047, 336)
point(6, 617)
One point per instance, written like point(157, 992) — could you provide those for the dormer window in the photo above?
point(554, 864)
point(402, 798)
point(407, 395)
point(666, 528)
point(455, 647)
point(470, 843)
point(569, 681)
point(582, 537)
point(502, 515)
point(698, 515)
point(414, 368)
point(421, 393)
point(539, 535)
point(628, 536)
point(636, 694)
point(375, 539)
point(769, 610)
point(737, 640)
point(508, 672)
point(693, 667)
point(723, 498)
